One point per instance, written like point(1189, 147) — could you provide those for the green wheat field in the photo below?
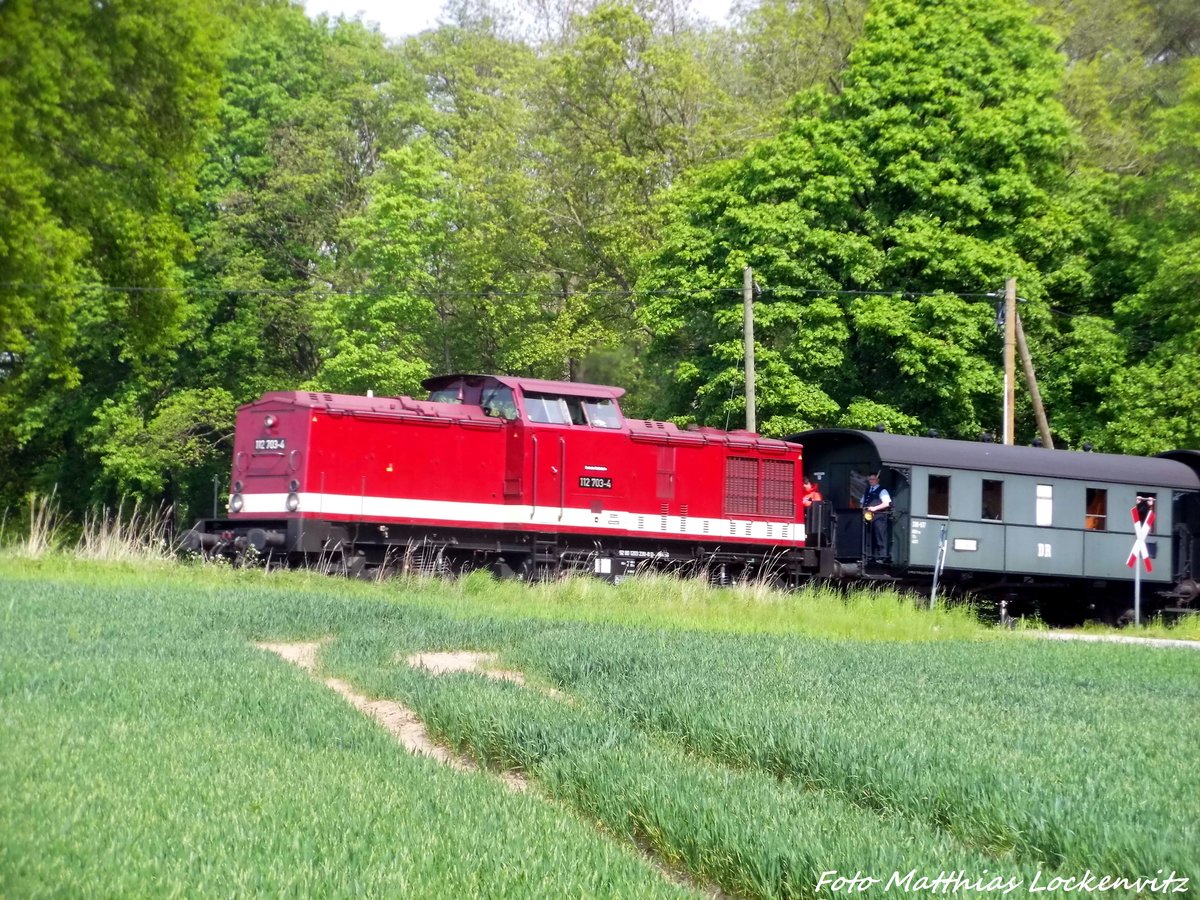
point(696, 741)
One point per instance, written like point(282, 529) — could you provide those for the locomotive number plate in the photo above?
point(270, 444)
point(593, 481)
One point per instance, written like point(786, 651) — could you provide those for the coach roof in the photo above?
point(903, 450)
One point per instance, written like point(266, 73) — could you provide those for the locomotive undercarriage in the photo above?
point(371, 549)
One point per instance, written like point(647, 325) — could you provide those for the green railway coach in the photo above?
point(1020, 522)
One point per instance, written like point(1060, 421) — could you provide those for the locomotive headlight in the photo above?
point(237, 487)
point(269, 421)
point(293, 502)
point(294, 486)
point(236, 502)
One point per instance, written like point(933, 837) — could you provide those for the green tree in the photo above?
point(784, 47)
point(552, 160)
point(939, 169)
point(282, 297)
point(372, 336)
point(1125, 64)
point(103, 108)
point(488, 281)
point(1153, 401)
point(625, 106)
point(307, 110)
point(170, 454)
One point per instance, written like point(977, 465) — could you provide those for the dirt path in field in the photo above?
point(410, 732)
point(1113, 639)
point(397, 719)
point(478, 663)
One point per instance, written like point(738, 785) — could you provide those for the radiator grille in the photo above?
point(779, 484)
point(760, 487)
point(741, 486)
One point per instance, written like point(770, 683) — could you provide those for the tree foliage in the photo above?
point(1152, 405)
point(202, 202)
point(102, 113)
point(939, 169)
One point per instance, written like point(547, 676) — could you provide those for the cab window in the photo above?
point(451, 393)
point(547, 409)
point(602, 413)
point(498, 401)
point(575, 410)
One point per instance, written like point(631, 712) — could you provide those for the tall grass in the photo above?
point(670, 601)
point(133, 534)
point(114, 536)
point(36, 533)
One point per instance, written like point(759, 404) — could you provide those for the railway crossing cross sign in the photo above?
point(1141, 530)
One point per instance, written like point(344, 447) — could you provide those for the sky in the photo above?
point(397, 18)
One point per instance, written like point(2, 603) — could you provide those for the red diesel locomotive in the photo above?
point(524, 476)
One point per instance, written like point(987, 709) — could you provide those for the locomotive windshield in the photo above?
point(497, 400)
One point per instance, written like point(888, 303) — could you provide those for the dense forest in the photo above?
point(203, 200)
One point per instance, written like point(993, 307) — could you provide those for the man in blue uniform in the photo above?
point(876, 502)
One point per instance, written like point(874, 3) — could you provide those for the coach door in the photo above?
point(1186, 539)
point(843, 484)
point(901, 519)
point(549, 424)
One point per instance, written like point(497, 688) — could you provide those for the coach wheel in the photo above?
point(1188, 592)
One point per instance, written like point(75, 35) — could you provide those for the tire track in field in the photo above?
point(474, 662)
point(397, 719)
point(479, 663)
point(410, 731)
point(1113, 639)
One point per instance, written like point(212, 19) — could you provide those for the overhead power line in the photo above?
point(383, 291)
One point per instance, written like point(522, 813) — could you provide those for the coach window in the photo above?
point(1096, 516)
point(993, 500)
point(1146, 501)
point(1045, 505)
point(939, 495)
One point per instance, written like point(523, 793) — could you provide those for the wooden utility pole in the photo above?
point(1010, 360)
point(748, 337)
point(1034, 393)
